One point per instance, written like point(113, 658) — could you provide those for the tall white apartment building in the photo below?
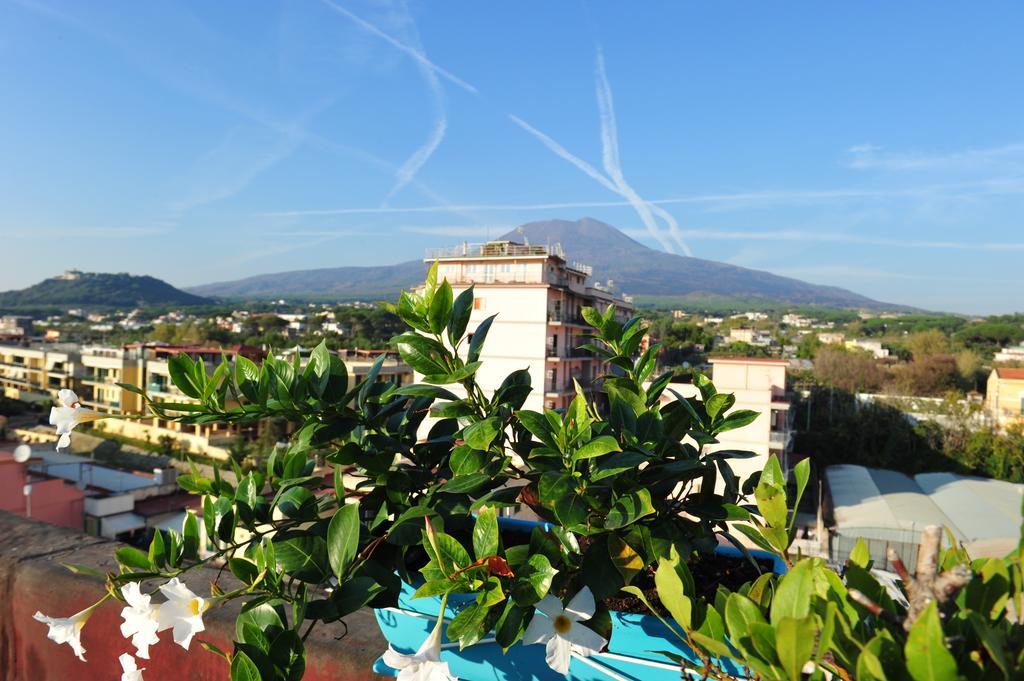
point(537, 295)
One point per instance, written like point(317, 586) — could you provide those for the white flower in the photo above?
point(561, 630)
point(425, 664)
point(183, 612)
point(67, 630)
point(131, 670)
point(140, 619)
point(68, 415)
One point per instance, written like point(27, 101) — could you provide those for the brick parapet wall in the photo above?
point(32, 578)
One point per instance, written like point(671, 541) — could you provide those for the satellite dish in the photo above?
point(22, 453)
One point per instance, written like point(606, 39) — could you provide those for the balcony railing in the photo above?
point(492, 249)
point(568, 353)
point(566, 317)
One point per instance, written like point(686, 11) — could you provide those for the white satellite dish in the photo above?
point(22, 453)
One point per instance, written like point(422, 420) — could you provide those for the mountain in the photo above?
point(375, 282)
point(642, 271)
point(95, 289)
point(634, 268)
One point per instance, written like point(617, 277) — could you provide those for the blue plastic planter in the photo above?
point(630, 655)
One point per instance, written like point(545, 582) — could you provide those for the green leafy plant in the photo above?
point(955, 618)
point(624, 475)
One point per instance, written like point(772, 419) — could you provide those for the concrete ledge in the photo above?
point(32, 578)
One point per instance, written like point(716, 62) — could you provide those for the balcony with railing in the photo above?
point(570, 350)
point(566, 317)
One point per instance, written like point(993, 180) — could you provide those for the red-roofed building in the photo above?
point(1004, 396)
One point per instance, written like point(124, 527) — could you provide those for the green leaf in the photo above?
point(298, 503)
point(190, 534)
point(423, 390)
point(614, 465)
point(801, 473)
point(485, 534)
point(479, 435)
point(465, 484)
point(479, 336)
point(794, 642)
point(421, 353)
point(467, 624)
point(538, 425)
point(719, 403)
point(740, 614)
point(796, 589)
point(860, 556)
point(181, 370)
point(771, 502)
point(305, 557)
point(243, 668)
point(597, 447)
point(737, 419)
point(133, 558)
point(533, 580)
point(627, 561)
point(672, 589)
point(157, 549)
point(440, 307)
point(244, 569)
point(320, 365)
point(343, 539)
point(461, 311)
point(928, 658)
point(80, 569)
point(628, 509)
point(592, 317)
point(451, 556)
point(510, 625)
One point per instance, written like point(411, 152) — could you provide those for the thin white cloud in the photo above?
point(281, 249)
point(87, 233)
point(841, 271)
point(872, 157)
point(468, 231)
point(803, 236)
point(613, 164)
point(950, 191)
point(397, 44)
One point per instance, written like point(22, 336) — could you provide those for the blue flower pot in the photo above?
point(632, 652)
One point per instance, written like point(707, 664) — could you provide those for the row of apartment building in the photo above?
point(35, 373)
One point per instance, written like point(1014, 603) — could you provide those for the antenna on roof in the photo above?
point(522, 233)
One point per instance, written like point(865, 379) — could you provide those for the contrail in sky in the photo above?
point(618, 182)
point(588, 169)
point(613, 164)
point(420, 157)
point(398, 45)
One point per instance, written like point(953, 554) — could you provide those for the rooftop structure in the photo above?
point(890, 509)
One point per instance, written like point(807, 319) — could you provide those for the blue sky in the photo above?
point(874, 146)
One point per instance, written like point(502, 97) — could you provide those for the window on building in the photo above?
point(470, 269)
